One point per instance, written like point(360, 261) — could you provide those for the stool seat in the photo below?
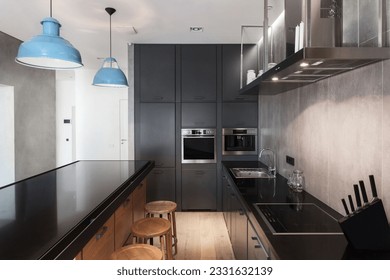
point(150, 227)
point(160, 207)
point(137, 252)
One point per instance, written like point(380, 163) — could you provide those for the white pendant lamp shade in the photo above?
point(110, 75)
point(49, 50)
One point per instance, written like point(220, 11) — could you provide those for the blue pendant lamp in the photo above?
point(110, 75)
point(49, 50)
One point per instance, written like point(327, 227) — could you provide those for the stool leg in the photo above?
point(169, 245)
point(172, 219)
point(162, 244)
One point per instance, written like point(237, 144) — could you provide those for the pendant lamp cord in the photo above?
point(51, 8)
point(110, 38)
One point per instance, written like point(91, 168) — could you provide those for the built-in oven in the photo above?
point(239, 141)
point(198, 145)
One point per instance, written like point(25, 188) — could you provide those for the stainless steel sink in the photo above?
point(251, 173)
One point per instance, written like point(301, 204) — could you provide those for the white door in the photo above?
point(7, 141)
point(124, 129)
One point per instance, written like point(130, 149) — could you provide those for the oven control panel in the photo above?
point(198, 131)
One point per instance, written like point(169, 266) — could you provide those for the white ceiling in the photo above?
point(85, 23)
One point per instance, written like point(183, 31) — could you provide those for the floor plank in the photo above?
point(202, 236)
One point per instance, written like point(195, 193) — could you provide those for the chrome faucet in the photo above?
point(271, 167)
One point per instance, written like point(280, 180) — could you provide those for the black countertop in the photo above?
point(296, 246)
point(54, 214)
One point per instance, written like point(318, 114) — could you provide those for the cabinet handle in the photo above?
point(199, 97)
point(100, 235)
point(127, 201)
point(260, 246)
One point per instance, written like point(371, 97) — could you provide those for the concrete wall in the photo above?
point(34, 93)
point(338, 131)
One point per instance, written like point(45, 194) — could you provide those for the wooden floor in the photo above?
point(202, 236)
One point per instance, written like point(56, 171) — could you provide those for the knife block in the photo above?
point(367, 228)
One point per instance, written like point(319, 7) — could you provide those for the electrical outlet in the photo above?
point(290, 160)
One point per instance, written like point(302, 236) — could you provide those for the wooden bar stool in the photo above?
point(150, 227)
point(161, 207)
point(137, 252)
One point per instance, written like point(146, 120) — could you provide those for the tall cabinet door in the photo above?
point(157, 73)
point(157, 133)
point(199, 73)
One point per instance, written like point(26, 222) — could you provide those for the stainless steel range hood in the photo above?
point(312, 64)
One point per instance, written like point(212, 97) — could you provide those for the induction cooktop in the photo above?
point(297, 219)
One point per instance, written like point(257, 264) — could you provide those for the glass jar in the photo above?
point(298, 180)
point(250, 76)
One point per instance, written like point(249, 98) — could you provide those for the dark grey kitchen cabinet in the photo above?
point(199, 115)
point(235, 217)
point(199, 187)
point(161, 184)
point(198, 73)
point(156, 140)
point(157, 76)
point(239, 228)
point(239, 115)
point(226, 189)
point(231, 60)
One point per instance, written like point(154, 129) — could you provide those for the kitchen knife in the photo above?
point(363, 190)
point(373, 187)
point(357, 196)
point(345, 206)
point(351, 203)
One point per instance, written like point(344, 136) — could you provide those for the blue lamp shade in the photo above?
point(49, 50)
point(110, 75)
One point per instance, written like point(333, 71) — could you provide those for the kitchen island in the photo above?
point(289, 225)
point(53, 215)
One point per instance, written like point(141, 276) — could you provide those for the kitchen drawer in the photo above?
point(123, 222)
point(256, 248)
point(199, 189)
point(101, 245)
point(161, 184)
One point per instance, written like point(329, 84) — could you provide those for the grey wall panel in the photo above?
point(35, 111)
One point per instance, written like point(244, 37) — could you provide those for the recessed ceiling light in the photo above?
point(196, 29)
